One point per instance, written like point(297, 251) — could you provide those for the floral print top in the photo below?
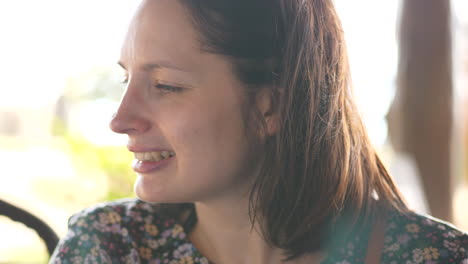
point(132, 231)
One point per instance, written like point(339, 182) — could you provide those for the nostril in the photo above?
point(127, 123)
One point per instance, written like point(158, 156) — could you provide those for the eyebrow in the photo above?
point(155, 65)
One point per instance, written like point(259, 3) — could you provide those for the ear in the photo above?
point(269, 110)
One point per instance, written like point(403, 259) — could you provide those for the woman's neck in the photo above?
point(224, 234)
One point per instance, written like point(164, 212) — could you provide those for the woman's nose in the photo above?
point(129, 118)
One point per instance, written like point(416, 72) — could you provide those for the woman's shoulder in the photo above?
point(122, 211)
point(133, 217)
point(122, 216)
point(127, 231)
point(416, 238)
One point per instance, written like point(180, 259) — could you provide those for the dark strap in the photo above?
point(376, 239)
point(20, 215)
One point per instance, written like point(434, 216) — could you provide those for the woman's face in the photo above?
point(180, 101)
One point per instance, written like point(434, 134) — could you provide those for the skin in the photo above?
point(202, 122)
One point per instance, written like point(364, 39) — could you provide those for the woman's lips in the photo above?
point(140, 166)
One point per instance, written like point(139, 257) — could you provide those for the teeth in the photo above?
point(148, 156)
point(154, 156)
point(165, 154)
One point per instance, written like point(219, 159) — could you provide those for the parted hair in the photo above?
point(319, 175)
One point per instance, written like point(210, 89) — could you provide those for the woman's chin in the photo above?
point(153, 193)
point(146, 192)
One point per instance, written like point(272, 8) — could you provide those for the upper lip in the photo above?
point(135, 148)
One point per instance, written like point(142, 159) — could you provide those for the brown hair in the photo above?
point(319, 171)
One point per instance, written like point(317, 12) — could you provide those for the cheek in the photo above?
point(210, 140)
point(210, 128)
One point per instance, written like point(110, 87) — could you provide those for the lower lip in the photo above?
point(150, 166)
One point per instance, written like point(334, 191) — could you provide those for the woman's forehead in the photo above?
point(161, 30)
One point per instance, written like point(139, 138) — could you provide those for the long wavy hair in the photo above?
point(320, 176)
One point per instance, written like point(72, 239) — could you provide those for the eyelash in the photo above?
point(164, 87)
point(168, 88)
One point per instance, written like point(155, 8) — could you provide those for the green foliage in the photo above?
point(113, 161)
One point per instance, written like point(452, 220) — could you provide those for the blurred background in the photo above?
point(60, 85)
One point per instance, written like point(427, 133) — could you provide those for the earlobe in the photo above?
point(269, 111)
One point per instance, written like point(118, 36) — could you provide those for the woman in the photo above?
point(248, 148)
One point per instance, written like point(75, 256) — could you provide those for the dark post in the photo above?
point(424, 98)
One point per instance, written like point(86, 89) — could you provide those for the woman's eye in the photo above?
point(168, 88)
point(159, 86)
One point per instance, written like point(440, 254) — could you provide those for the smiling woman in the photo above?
point(200, 117)
point(248, 147)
